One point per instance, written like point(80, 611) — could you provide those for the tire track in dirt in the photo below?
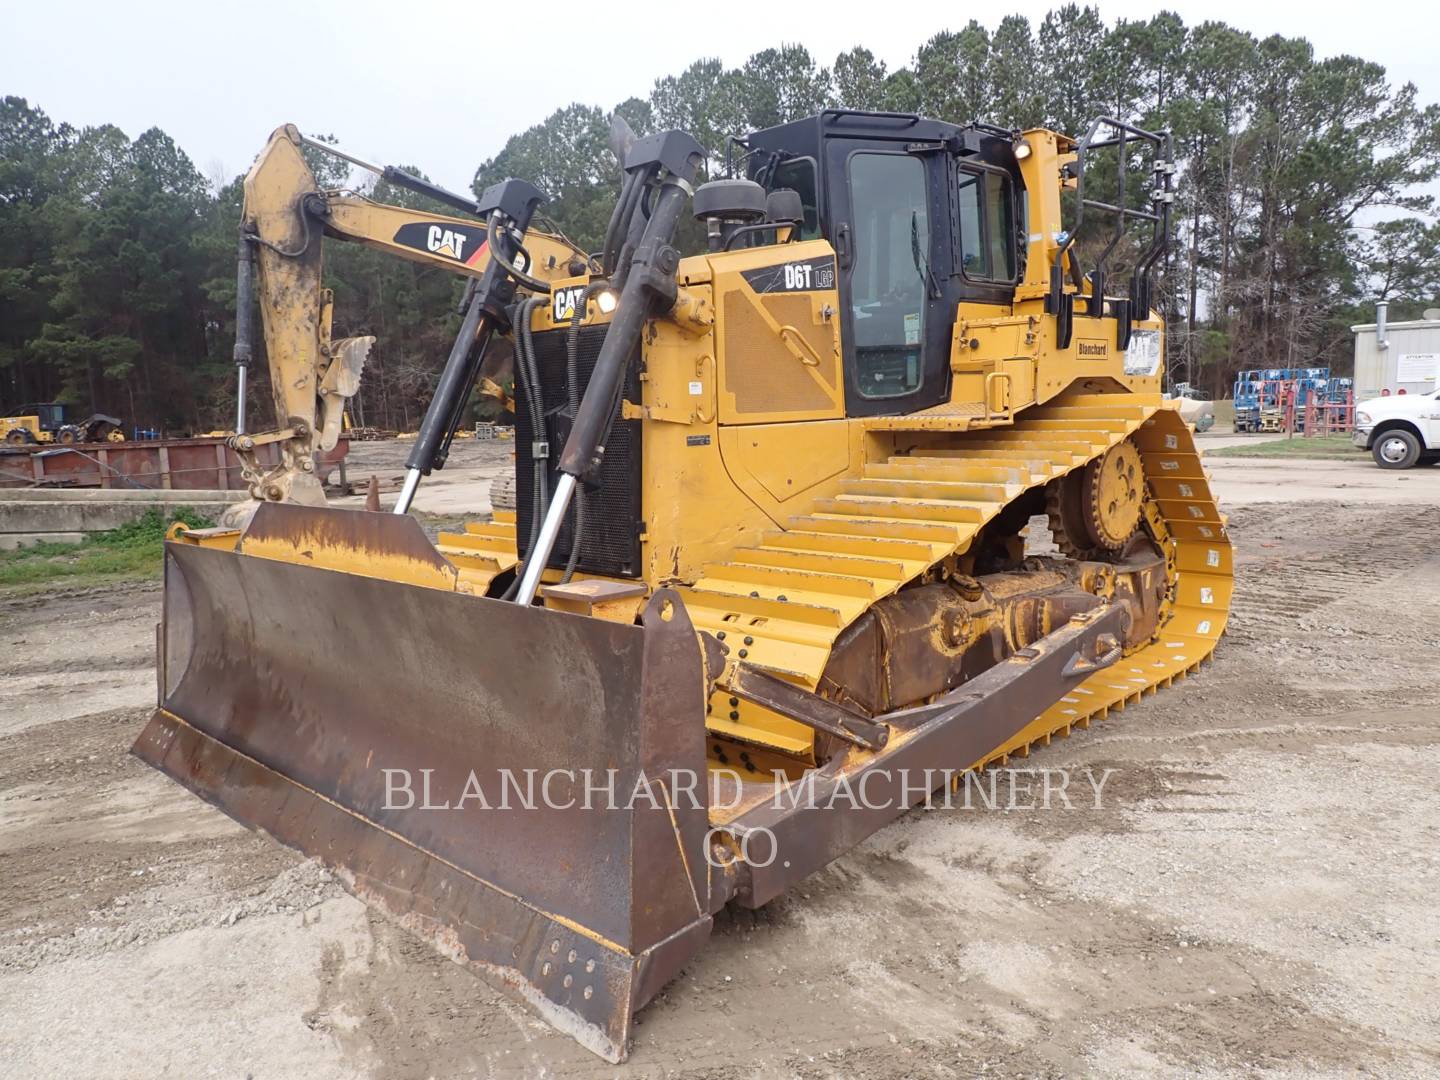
point(1362, 548)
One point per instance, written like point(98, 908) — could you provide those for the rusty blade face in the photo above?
point(440, 750)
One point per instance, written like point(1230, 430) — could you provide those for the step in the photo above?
point(869, 547)
point(824, 562)
point(957, 469)
point(918, 509)
point(944, 490)
point(809, 581)
point(932, 532)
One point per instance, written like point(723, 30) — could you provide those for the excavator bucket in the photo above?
point(508, 781)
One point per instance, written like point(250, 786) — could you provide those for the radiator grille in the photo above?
point(611, 541)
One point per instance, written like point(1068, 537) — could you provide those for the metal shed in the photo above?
point(1397, 356)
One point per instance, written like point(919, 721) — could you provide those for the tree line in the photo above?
point(1302, 199)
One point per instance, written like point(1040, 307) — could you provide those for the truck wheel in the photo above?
point(1396, 449)
point(19, 436)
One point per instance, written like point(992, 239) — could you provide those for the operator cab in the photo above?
point(49, 414)
point(923, 215)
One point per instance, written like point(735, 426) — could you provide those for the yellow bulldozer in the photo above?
point(766, 585)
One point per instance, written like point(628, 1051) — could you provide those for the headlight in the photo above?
point(1362, 418)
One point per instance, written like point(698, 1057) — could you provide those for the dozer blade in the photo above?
point(436, 749)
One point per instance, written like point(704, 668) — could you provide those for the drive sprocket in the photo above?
point(1095, 510)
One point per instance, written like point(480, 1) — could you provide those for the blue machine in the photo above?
point(1260, 395)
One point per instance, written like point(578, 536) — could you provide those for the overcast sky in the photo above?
point(440, 84)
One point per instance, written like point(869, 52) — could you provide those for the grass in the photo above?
point(131, 552)
point(1320, 446)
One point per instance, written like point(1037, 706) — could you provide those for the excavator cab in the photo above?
point(769, 581)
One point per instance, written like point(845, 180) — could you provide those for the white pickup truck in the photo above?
point(1400, 430)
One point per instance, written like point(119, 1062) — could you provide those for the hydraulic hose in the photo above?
point(584, 450)
point(529, 370)
point(610, 249)
point(636, 222)
point(527, 377)
point(572, 386)
point(497, 252)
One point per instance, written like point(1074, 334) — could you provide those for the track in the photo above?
point(788, 599)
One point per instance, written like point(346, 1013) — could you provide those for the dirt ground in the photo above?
point(462, 486)
point(1257, 894)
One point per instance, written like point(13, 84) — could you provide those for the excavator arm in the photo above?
point(312, 375)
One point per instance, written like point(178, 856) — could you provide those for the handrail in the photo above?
point(1121, 136)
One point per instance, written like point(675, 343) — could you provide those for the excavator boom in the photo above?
point(286, 218)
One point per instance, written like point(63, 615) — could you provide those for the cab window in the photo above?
point(986, 220)
point(891, 265)
point(972, 229)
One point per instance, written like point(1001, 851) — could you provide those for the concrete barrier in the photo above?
point(66, 515)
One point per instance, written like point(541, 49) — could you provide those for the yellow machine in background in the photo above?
point(48, 422)
point(281, 252)
point(766, 585)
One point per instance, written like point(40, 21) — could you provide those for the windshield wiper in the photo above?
point(922, 265)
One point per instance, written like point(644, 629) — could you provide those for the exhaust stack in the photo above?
point(1381, 308)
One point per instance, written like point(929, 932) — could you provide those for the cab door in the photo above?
point(886, 210)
